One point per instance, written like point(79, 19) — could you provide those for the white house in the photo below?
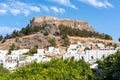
point(53, 50)
point(73, 46)
point(40, 51)
point(72, 50)
point(3, 54)
point(50, 50)
point(38, 55)
point(41, 58)
point(19, 52)
point(33, 58)
point(100, 45)
point(30, 59)
point(94, 55)
point(91, 56)
point(45, 59)
point(11, 62)
point(56, 51)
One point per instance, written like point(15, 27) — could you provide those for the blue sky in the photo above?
point(103, 15)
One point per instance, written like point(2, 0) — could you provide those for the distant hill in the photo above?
point(49, 31)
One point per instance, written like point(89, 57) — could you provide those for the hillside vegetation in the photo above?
point(82, 33)
point(54, 70)
point(45, 35)
point(62, 30)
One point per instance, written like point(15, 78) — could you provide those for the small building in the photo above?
point(30, 59)
point(72, 50)
point(100, 45)
point(53, 50)
point(90, 56)
point(38, 55)
point(3, 54)
point(50, 50)
point(19, 52)
point(40, 51)
point(56, 51)
point(11, 62)
point(45, 59)
point(41, 58)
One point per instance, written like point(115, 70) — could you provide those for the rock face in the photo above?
point(82, 25)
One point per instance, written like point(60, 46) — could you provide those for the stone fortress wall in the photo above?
point(82, 25)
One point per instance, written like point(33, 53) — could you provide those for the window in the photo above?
point(92, 57)
point(82, 57)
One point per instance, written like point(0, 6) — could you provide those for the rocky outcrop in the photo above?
point(82, 25)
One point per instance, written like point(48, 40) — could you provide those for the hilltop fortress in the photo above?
point(79, 24)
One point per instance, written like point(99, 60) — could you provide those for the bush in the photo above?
point(46, 33)
point(54, 70)
point(66, 41)
point(4, 40)
point(53, 42)
point(16, 39)
point(3, 70)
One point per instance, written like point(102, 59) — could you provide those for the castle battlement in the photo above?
point(82, 25)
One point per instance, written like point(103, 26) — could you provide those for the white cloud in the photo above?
point(26, 12)
point(65, 3)
point(44, 7)
point(2, 11)
point(98, 3)
point(7, 30)
point(57, 10)
point(34, 8)
point(17, 7)
point(3, 5)
point(14, 11)
point(62, 10)
point(53, 8)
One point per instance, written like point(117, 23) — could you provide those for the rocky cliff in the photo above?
point(82, 25)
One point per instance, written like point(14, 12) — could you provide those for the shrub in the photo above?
point(53, 42)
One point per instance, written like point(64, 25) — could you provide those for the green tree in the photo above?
point(3, 40)
point(14, 34)
point(7, 36)
point(111, 67)
point(34, 50)
point(9, 52)
point(1, 37)
point(12, 47)
point(53, 42)
point(66, 41)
